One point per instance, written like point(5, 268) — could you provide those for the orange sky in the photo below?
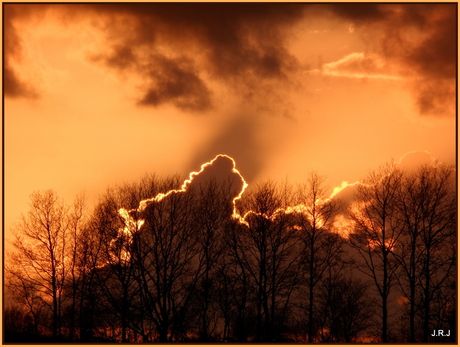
point(97, 95)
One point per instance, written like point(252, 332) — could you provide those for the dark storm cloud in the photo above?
point(122, 57)
point(243, 45)
point(421, 39)
point(435, 58)
point(13, 85)
point(170, 80)
point(236, 37)
point(240, 44)
point(176, 81)
point(359, 13)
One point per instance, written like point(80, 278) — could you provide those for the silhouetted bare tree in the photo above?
point(76, 224)
point(345, 308)
point(269, 252)
point(166, 260)
point(212, 210)
point(179, 267)
point(322, 248)
point(377, 230)
point(39, 262)
point(426, 250)
point(236, 290)
point(112, 256)
point(28, 305)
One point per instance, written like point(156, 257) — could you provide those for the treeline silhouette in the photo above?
point(192, 273)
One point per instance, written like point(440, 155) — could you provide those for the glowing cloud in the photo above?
point(414, 159)
point(143, 204)
point(132, 226)
point(359, 65)
point(342, 186)
point(342, 224)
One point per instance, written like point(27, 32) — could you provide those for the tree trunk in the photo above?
point(204, 322)
point(311, 294)
point(426, 300)
point(55, 308)
point(412, 295)
point(385, 296)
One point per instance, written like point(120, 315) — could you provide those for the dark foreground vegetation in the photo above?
point(378, 268)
